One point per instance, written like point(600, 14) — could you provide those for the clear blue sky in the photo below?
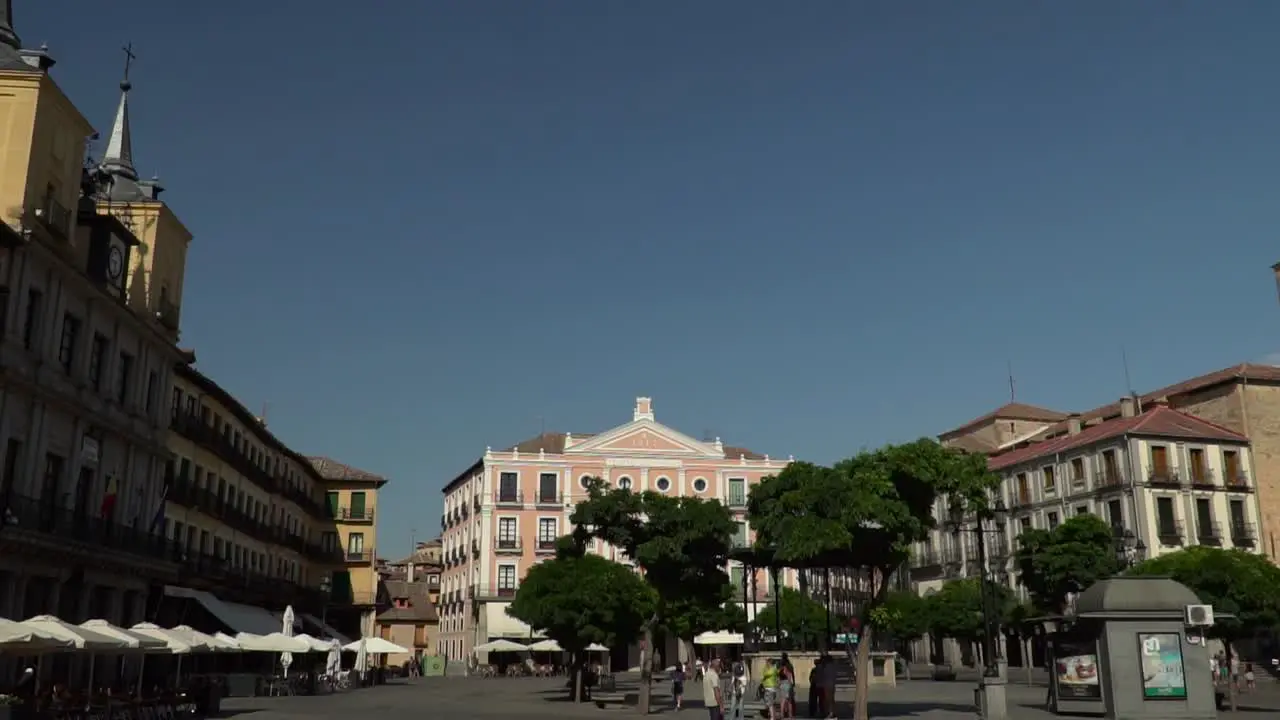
point(808, 227)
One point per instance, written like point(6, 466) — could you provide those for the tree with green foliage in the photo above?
point(799, 616)
point(1056, 564)
point(904, 615)
point(866, 512)
point(681, 544)
point(1241, 586)
point(579, 600)
point(956, 611)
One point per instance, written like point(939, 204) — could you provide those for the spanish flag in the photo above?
point(109, 496)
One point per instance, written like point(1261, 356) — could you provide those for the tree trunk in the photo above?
point(1026, 658)
point(575, 678)
point(1231, 674)
point(862, 680)
point(646, 666)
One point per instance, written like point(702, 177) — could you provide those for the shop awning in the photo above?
point(326, 631)
point(718, 638)
point(501, 625)
point(239, 618)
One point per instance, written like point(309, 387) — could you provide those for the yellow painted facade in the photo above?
point(245, 504)
point(157, 267)
point(42, 137)
point(351, 499)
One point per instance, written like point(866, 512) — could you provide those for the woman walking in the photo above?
point(677, 684)
point(786, 690)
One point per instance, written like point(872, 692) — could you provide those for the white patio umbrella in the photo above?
point(272, 643)
point(286, 658)
point(500, 646)
point(597, 647)
point(18, 637)
point(362, 659)
point(171, 643)
point(317, 645)
point(81, 638)
point(333, 663)
point(375, 646)
point(134, 640)
point(546, 646)
point(226, 639)
point(200, 642)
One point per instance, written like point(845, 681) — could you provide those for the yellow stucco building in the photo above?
point(248, 515)
point(85, 364)
point(351, 497)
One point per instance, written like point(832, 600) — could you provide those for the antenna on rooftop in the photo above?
point(1013, 388)
point(1128, 384)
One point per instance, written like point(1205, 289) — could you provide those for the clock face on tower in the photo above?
point(115, 263)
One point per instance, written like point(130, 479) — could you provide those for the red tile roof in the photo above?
point(1247, 372)
point(1011, 411)
point(1159, 421)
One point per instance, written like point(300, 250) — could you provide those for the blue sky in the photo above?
point(422, 228)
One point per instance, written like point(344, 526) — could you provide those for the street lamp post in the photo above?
point(1130, 550)
point(992, 698)
point(326, 585)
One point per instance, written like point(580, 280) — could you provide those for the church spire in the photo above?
point(10, 57)
point(117, 158)
point(7, 34)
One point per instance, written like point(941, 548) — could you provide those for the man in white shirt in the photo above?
point(711, 694)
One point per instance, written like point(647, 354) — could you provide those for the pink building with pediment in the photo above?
point(504, 513)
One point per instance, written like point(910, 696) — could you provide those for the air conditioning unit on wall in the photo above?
point(1199, 615)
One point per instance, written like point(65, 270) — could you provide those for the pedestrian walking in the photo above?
point(712, 694)
point(677, 684)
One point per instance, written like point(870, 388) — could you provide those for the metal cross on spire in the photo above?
point(129, 57)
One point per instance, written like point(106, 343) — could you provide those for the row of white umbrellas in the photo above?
point(539, 646)
point(46, 633)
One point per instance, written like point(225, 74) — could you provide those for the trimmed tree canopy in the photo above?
point(1053, 564)
point(798, 615)
point(1237, 582)
point(577, 601)
point(955, 611)
point(866, 512)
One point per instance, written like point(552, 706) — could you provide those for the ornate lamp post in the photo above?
point(1130, 550)
point(326, 587)
point(991, 689)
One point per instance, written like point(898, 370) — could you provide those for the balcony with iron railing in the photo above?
point(546, 546)
point(475, 503)
point(1208, 533)
point(358, 557)
point(354, 514)
point(550, 499)
point(197, 431)
point(507, 546)
point(1165, 478)
point(1202, 478)
point(1244, 534)
point(1238, 482)
point(500, 591)
point(1108, 479)
point(48, 519)
point(1169, 532)
point(508, 498)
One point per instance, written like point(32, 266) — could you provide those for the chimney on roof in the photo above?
point(1073, 424)
point(409, 572)
point(644, 409)
point(1128, 406)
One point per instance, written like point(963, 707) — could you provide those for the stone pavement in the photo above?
point(537, 699)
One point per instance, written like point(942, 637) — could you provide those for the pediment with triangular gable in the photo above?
point(645, 437)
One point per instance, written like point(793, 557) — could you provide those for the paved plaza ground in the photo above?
point(545, 698)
